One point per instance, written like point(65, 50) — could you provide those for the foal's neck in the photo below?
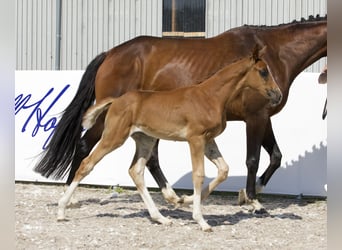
point(227, 82)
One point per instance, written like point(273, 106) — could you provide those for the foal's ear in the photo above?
point(258, 53)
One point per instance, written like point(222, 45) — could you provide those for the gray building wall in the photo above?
point(89, 27)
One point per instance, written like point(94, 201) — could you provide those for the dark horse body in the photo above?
point(148, 63)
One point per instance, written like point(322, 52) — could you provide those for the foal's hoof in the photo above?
point(167, 222)
point(62, 219)
point(61, 215)
point(242, 198)
point(183, 202)
point(162, 220)
point(207, 229)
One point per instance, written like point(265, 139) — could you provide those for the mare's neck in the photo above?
point(292, 48)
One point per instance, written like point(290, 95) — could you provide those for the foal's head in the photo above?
point(260, 78)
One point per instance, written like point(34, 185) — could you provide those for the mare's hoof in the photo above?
point(260, 211)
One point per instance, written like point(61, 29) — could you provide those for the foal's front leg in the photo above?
point(197, 158)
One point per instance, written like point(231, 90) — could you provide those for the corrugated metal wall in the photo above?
point(92, 26)
point(35, 31)
point(88, 28)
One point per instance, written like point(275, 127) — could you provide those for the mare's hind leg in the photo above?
point(83, 148)
point(85, 145)
point(158, 175)
point(213, 154)
point(144, 146)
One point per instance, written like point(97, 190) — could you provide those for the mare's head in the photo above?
point(260, 78)
point(323, 77)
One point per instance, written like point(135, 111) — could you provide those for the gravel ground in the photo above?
point(106, 219)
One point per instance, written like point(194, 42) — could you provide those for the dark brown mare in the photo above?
point(195, 114)
point(151, 63)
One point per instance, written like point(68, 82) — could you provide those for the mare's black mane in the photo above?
point(311, 18)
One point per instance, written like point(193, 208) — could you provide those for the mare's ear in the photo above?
point(258, 52)
point(262, 51)
point(255, 54)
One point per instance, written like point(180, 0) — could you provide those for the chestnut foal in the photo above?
point(195, 114)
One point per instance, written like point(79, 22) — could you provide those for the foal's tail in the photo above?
point(59, 154)
point(95, 111)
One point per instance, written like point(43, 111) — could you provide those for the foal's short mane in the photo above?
point(311, 19)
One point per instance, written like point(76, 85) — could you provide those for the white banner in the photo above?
point(299, 129)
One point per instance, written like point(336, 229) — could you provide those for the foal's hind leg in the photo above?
point(213, 154)
point(85, 168)
point(144, 146)
point(112, 138)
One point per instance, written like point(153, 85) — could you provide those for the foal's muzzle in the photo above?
point(275, 96)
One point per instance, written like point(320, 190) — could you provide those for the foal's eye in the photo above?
point(263, 73)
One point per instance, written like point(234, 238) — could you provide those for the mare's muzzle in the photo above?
point(275, 96)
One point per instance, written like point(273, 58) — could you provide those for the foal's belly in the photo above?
point(161, 133)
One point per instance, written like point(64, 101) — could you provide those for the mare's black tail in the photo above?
point(60, 151)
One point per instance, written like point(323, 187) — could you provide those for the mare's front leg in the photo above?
point(158, 175)
point(271, 146)
point(144, 146)
point(255, 133)
point(197, 157)
point(213, 154)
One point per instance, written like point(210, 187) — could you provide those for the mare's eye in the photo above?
point(263, 73)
